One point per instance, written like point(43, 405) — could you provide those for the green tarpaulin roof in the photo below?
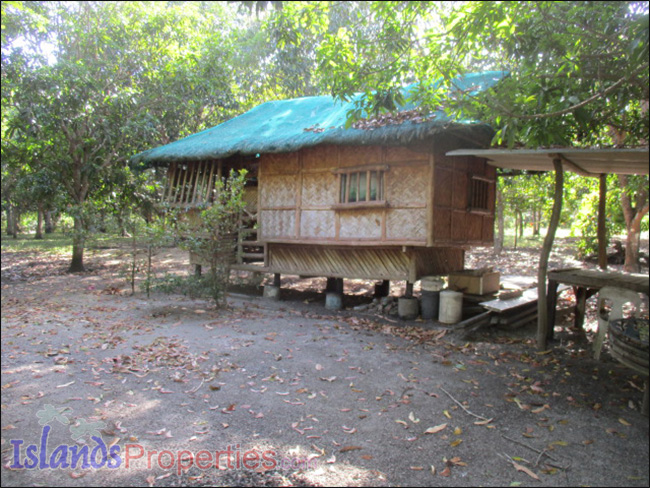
point(289, 125)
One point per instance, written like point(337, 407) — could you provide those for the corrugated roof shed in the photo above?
point(289, 125)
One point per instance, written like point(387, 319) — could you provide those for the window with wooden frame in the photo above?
point(479, 194)
point(191, 183)
point(361, 187)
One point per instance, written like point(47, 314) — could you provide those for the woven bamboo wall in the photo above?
point(277, 224)
point(426, 196)
point(318, 224)
point(306, 184)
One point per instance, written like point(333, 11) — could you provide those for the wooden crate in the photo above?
point(475, 281)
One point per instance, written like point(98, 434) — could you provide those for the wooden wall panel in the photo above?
point(459, 199)
point(281, 163)
point(438, 260)
point(320, 157)
point(443, 181)
point(277, 223)
point(376, 263)
point(459, 226)
point(319, 189)
point(278, 191)
point(359, 155)
point(361, 224)
point(352, 262)
point(317, 224)
point(488, 229)
point(474, 224)
point(398, 154)
point(406, 224)
point(407, 185)
point(442, 224)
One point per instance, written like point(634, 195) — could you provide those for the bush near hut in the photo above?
point(212, 236)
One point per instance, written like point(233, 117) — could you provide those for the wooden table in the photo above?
point(586, 283)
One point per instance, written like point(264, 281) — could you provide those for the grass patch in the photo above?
point(60, 244)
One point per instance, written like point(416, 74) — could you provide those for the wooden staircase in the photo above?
point(251, 253)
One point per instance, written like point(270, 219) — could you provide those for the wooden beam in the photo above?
point(542, 311)
point(602, 223)
point(575, 167)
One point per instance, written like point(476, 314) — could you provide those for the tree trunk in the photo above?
point(633, 216)
point(15, 222)
point(10, 219)
point(602, 222)
point(498, 241)
point(537, 217)
point(521, 224)
point(49, 223)
point(516, 228)
point(39, 224)
point(632, 246)
point(77, 264)
point(542, 312)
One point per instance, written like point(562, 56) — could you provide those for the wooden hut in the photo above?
point(381, 202)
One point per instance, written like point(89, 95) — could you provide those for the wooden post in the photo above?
point(581, 302)
point(382, 289)
point(602, 223)
point(408, 292)
point(277, 281)
point(331, 285)
point(339, 286)
point(542, 311)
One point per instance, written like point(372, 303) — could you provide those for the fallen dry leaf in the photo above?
point(350, 448)
point(436, 429)
point(524, 469)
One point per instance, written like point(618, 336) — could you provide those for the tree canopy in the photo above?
point(85, 85)
point(577, 70)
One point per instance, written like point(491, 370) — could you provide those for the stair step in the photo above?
point(252, 243)
point(252, 255)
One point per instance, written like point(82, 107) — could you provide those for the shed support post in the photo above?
point(331, 285)
point(273, 291)
point(543, 330)
point(602, 223)
point(408, 292)
point(581, 304)
point(339, 286)
point(382, 289)
point(334, 295)
point(197, 270)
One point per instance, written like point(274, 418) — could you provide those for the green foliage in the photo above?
point(212, 235)
point(146, 239)
point(577, 69)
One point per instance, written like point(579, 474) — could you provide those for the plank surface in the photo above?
point(595, 279)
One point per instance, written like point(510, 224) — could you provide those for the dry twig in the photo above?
point(465, 408)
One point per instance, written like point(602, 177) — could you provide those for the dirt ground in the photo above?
point(288, 393)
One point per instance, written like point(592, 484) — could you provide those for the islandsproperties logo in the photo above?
point(90, 451)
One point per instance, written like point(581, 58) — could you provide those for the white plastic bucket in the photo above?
point(451, 307)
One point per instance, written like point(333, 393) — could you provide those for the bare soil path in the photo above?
point(294, 394)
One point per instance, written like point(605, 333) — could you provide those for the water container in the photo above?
point(451, 307)
point(431, 286)
point(407, 308)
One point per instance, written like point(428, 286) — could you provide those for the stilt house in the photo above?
point(380, 202)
